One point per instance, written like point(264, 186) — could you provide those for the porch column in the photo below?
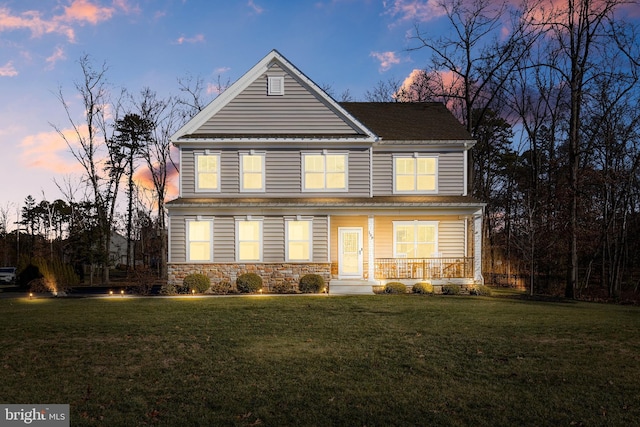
point(477, 248)
point(371, 250)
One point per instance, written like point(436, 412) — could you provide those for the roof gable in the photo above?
point(247, 110)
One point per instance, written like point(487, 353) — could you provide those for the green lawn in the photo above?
point(324, 361)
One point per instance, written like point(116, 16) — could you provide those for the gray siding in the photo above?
point(450, 173)
point(451, 238)
point(283, 174)
point(224, 239)
point(178, 249)
point(297, 112)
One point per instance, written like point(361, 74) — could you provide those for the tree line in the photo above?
point(550, 92)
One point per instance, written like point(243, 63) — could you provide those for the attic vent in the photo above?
point(275, 85)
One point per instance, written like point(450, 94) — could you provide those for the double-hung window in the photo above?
point(299, 239)
point(200, 240)
point(207, 172)
point(324, 172)
point(415, 174)
point(252, 171)
point(415, 239)
point(249, 239)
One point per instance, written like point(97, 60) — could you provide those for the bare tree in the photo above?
point(88, 145)
point(384, 91)
point(164, 117)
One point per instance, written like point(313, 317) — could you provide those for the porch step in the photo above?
point(350, 287)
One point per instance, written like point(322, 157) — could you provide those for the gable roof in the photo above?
point(245, 111)
point(409, 121)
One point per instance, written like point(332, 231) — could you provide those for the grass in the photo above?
point(324, 361)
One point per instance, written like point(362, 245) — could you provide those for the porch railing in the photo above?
point(424, 268)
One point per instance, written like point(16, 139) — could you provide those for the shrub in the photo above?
point(221, 288)
point(196, 282)
point(422, 288)
point(311, 284)
point(285, 287)
point(395, 288)
point(451, 289)
point(481, 290)
point(168, 289)
point(248, 283)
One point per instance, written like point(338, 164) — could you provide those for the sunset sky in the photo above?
point(347, 44)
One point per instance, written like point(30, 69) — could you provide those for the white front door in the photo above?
point(350, 252)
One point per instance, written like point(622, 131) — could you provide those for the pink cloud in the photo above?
point(198, 38)
point(413, 10)
point(257, 9)
point(8, 70)
point(86, 11)
point(47, 150)
point(56, 56)
point(386, 59)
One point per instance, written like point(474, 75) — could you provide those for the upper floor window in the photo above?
point(324, 172)
point(415, 174)
point(299, 240)
point(200, 240)
point(252, 172)
point(207, 172)
point(415, 239)
point(249, 240)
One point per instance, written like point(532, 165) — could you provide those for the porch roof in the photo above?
point(333, 202)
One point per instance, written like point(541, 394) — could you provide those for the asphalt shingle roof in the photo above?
point(408, 121)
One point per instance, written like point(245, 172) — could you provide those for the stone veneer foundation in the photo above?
point(272, 273)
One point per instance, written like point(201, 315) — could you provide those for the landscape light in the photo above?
point(122, 292)
point(110, 292)
point(30, 295)
point(193, 291)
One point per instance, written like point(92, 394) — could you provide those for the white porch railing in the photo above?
point(424, 268)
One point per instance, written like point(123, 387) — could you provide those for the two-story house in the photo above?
point(278, 178)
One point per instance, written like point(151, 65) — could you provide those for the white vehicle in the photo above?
point(7, 274)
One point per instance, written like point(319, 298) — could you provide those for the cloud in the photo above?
point(78, 12)
point(56, 56)
point(198, 38)
point(387, 59)
point(8, 70)
point(47, 150)
point(85, 11)
point(413, 10)
point(256, 9)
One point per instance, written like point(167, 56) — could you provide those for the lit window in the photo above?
point(415, 239)
point(249, 240)
point(415, 174)
point(208, 172)
point(252, 172)
point(200, 243)
point(325, 172)
point(298, 240)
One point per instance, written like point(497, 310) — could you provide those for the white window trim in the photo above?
point(275, 86)
point(416, 222)
point(415, 156)
point(324, 154)
point(260, 221)
point(264, 173)
point(286, 238)
point(195, 168)
point(188, 221)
